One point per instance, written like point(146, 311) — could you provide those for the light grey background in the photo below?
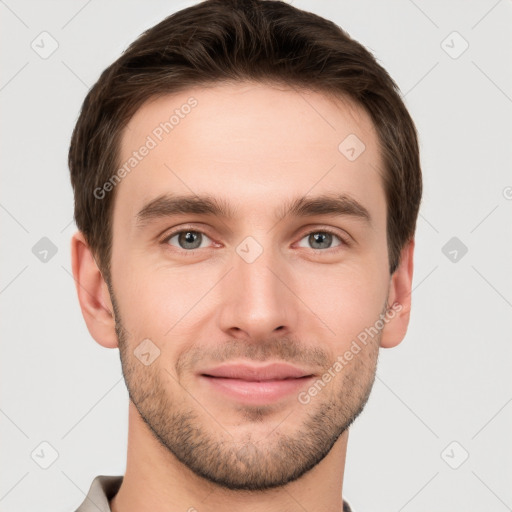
point(450, 378)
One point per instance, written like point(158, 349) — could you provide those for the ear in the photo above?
point(93, 293)
point(399, 300)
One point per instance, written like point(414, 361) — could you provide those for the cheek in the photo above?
point(348, 298)
point(160, 304)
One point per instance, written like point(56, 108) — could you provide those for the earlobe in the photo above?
point(92, 293)
point(399, 300)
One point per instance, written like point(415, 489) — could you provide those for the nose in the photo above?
point(257, 298)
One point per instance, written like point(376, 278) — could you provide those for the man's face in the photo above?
point(265, 286)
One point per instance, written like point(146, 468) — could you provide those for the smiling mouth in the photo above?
point(253, 385)
point(255, 380)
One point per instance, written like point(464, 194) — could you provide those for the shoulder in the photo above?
point(103, 488)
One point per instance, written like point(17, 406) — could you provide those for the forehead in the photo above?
point(250, 145)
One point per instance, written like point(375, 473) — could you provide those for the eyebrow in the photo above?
point(168, 205)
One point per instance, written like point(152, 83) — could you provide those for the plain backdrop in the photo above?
point(435, 434)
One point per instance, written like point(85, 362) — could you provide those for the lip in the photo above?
point(256, 385)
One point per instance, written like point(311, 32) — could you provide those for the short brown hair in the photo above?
point(217, 41)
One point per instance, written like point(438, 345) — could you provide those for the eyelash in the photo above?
point(343, 240)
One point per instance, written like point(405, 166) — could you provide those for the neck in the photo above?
point(156, 481)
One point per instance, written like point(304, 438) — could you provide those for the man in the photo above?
point(247, 183)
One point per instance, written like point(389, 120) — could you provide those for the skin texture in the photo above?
point(256, 147)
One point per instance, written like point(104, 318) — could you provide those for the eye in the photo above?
point(322, 239)
point(187, 240)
